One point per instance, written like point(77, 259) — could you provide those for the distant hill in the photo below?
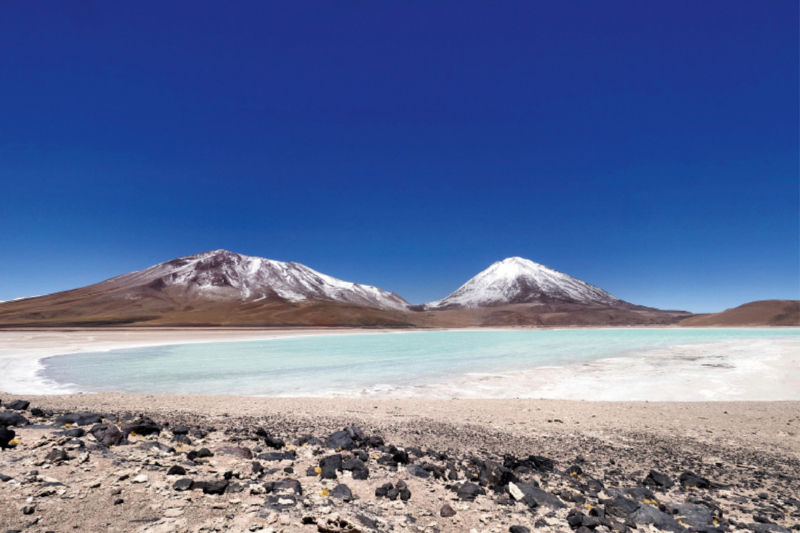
point(759, 313)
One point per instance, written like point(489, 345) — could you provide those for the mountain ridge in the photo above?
point(222, 288)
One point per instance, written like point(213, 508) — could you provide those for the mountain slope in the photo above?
point(223, 275)
point(758, 313)
point(215, 288)
point(516, 280)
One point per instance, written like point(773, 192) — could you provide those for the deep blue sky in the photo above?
point(649, 148)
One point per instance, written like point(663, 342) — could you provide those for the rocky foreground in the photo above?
point(184, 470)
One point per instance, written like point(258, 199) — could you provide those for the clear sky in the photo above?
point(649, 148)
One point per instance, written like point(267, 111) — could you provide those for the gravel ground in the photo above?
point(281, 464)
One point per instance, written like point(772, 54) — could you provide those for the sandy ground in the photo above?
point(749, 451)
point(752, 369)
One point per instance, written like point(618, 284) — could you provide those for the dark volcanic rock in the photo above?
point(239, 452)
point(657, 479)
point(278, 456)
point(157, 446)
point(342, 492)
point(107, 435)
point(56, 455)
point(6, 436)
point(697, 516)
point(78, 419)
point(176, 470)
point(357, 467)
point(574, 470)
point(211, 487)
point(447, 511)
point(341, 440)
point(180, 430)
point(468, 491)
point(383, 490)
point(518, 529)
point(141, 426)
point(288, 485)
point(75, 433)
point(18, 405)
point(621, 507)
point(418, 471)
point(181, 439)
point(183, 484)
point(329, 465)
point(274, 442)
point(692, 480)
point(534, 496)
point(8, 419)
point(647, 514)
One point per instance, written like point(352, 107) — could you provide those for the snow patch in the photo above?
point(518, 280)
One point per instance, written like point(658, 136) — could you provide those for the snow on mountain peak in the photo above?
point(519, 280)
point(224, 275)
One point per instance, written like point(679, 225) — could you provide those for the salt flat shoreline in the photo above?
point(749, 369)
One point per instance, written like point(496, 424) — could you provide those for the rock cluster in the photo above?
point(149, 473)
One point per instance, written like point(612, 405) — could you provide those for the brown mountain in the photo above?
point(758, 313)
point(221, 288)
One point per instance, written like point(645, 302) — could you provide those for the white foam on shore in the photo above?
point(744, 370)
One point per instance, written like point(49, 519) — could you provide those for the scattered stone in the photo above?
point(6, 436)
point(657, 479)
point(518, 529)
point(418, 471)
point(203, 453)
point(446, 511)
point(341, 440)
point(357, 467)
point(239, 452)
point(534, 496)
point(329, 465)
point(11, 419)
point(141, 426)
point(342, 492)
point(183, 484)
point(211, 487)
point(78, 419)
point(56, 455)
point(692, 480)
point(108, 435)
point(18, 405)
point(468, 491)
point(176, 470)
point(288, 485)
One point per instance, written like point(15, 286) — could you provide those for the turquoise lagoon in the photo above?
point(324, 365)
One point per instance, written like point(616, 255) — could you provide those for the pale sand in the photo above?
point(742, 370)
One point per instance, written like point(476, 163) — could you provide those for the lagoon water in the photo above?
point(327, 365)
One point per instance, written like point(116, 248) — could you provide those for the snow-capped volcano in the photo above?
point(223, 275)
point(517, 280)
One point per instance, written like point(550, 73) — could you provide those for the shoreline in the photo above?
point(770, 371)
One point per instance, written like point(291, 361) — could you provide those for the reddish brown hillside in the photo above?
point(759, 313)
